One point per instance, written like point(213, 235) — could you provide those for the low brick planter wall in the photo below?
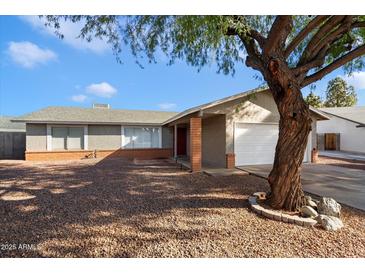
point(278, 216)
point(142, 154)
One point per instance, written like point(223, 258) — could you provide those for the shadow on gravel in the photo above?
point(107, 208)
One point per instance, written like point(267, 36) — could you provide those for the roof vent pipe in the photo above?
point(103, 106)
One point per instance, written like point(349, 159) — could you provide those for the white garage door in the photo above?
point(254, 144)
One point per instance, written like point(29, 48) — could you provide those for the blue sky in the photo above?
point(37, 70)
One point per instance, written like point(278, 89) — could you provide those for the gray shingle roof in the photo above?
point(90, 115)
point(355, 114)
point(122, 116)
point(7, 125)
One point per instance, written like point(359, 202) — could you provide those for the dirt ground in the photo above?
point(341, 162)
point(116, 208)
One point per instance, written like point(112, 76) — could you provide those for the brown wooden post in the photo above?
point(196, 144)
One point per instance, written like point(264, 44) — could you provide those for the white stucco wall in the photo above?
point(351, 138)
point(258, 108)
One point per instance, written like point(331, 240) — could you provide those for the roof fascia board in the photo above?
point(85, 123)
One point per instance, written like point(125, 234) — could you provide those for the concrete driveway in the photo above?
point(343, 155)
point(345, 185)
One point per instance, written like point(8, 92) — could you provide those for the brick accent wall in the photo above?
point(230, 160)
point(314, 155)
point(143, 154)
point(196, 144)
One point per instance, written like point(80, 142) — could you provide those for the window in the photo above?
point(59, 138)
point(141, 137)
point(67, 138)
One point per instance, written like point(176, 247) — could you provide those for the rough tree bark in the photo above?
point(269, 55)
point(294, 127)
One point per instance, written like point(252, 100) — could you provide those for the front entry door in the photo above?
point(181, 141)
point(330, 141)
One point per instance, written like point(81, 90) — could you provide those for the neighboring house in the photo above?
point(345, 130)
point(238, 130)
point(12, 138)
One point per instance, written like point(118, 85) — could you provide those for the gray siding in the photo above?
point(167, 137)
point(36, 137)
point(104, 137)
point(213, 141)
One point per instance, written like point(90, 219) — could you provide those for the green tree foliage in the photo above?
point(340, 94)
point(313, 100)
point(310, 43)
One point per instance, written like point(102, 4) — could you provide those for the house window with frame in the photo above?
point(141, 137)
point(67, 138)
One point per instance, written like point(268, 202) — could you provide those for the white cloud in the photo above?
point(70, 32)
point(79, 98)
point(357, 79)
point(102, 89)
point(166, 106)
point(29, 55)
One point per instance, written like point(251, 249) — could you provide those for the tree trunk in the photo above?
point(294, 127)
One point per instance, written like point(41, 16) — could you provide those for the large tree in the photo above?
point(290, 52)
point(313, 100)
point(340, 94)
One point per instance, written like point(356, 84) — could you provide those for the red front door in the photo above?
point(181, 141)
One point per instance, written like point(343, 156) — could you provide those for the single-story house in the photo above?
point(12, 138)
point(345, 129)
point(238, 130)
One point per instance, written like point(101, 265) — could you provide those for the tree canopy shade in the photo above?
point(290, 52)
point(340, 94)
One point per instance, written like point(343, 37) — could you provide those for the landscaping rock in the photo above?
point(260, 195)
point(310, 202)
point(307, 198)
point(329, 223)
point(328, 206)
point(308, 211)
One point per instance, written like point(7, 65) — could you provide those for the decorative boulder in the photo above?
point(329, 206)
point(307, 211)
point(329, 223)
point(309, 202)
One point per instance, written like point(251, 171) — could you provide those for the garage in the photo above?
point(254, 143)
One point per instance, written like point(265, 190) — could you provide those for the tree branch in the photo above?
point(316, 62)
point(358, 24)
point(251, 33)
point(278, 34)
point(253, 59)
point(258, 37)
point(333, 36)
point(328, 26)
point(303, 33)
point(334, 65)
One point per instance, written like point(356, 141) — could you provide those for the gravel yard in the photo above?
point(116, 208)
